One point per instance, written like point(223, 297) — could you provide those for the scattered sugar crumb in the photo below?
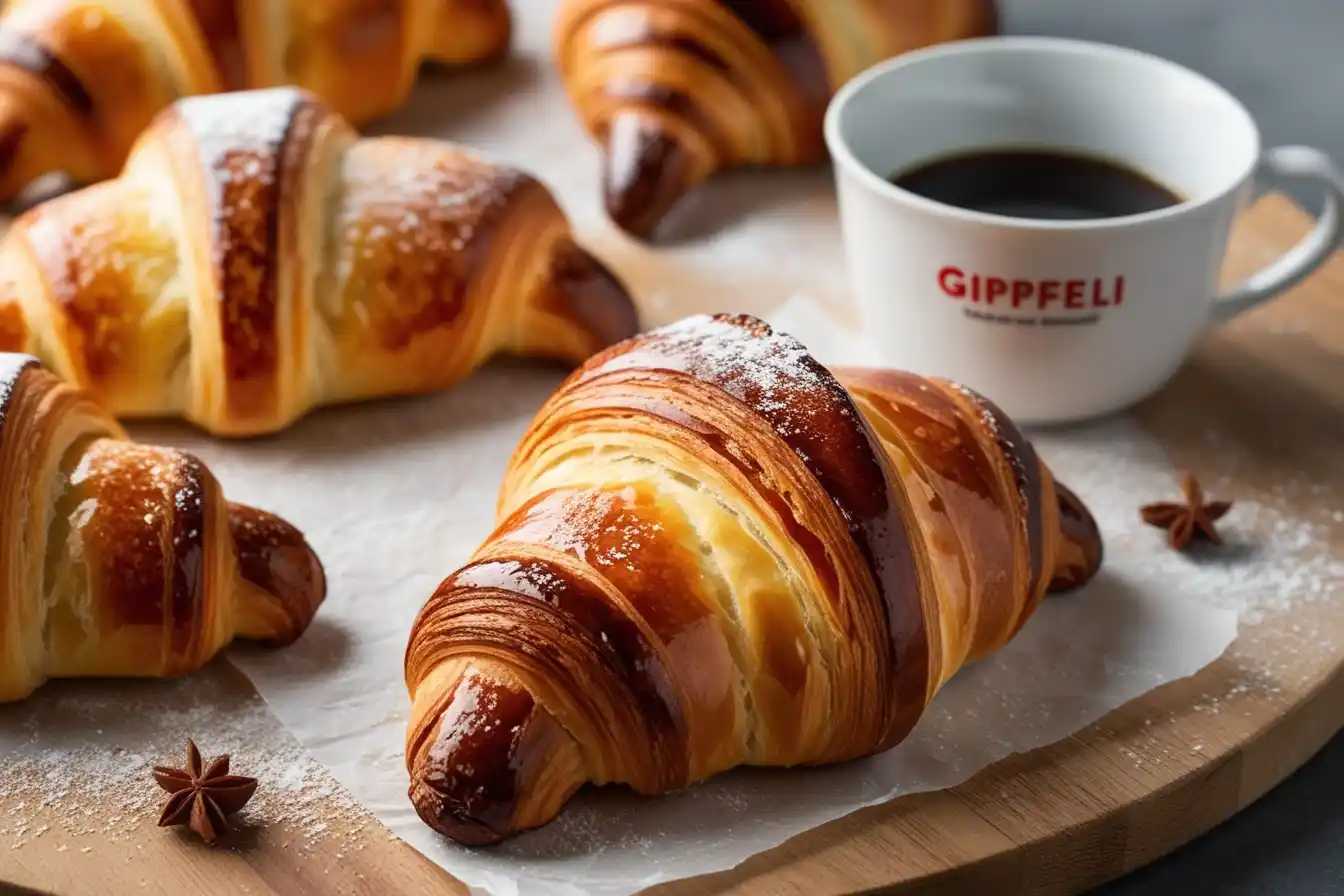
point(59, 778)
point(1275, 558)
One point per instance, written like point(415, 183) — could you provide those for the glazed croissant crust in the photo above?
point(712, 552)
point(674, 90)
point(119, 559)
point(257, 259)
point(80, 79)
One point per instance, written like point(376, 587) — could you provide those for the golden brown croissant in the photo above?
point(675, 90)
point(80, 79)
point(256, 259)
point(713, 552)
point(118, 559)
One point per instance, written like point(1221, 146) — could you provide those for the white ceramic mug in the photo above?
point(1054, 320)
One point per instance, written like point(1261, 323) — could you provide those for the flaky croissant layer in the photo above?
point(118, 559)
point(80, 79)
point(711, 552)
point(257, 259)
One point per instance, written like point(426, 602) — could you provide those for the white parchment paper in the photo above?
point(395, 495)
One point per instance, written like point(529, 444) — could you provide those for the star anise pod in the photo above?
point(1185, 520)
point(202, 797)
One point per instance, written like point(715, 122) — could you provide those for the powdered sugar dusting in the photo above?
point(417, 202)
point(623, 535)
point(768, 371)
point(407, 229)
point(747, 359)
point(994, 422)
point(78, 755)
point(573, 532)
point(256, 121)
point(1276, 557)
point(11, 365)
point(601, 527)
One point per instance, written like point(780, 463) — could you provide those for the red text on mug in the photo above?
point(1042, 295)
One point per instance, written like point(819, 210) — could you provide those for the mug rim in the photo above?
point(843, 156)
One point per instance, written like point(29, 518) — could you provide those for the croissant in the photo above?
point(714, 552)
point(80, 79)
point(256, 259)
point(674, 91)
point(118, 559)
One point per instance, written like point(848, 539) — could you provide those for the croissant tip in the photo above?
point(594, 297)
point(645, 173)
point(625, 215)
point(1081, 554)
point(472, 33)
point(274, 557)
point(437, 811)
point(12, 132)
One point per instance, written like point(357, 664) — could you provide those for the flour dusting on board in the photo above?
point(77, 759)
point(1270, 562)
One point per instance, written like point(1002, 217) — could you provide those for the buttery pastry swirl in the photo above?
point(118, 559)
point(674, 90)
point(713, 552)
point(257, 259)
point(80, 79)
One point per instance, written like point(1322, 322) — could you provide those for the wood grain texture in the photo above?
point(1135, 785)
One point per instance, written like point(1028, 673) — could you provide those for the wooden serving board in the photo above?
point(1059, 820)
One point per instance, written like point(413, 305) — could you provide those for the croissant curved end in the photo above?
point(590, 295)
point(445, 814)
point(1080, 550)
point(284, 580)
point(492, 763)
point(471, 31)
point(645, 173)
point(13, 130)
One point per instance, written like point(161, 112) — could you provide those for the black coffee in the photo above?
point(1036, 183)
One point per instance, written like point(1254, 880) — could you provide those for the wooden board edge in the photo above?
point(1284, 745)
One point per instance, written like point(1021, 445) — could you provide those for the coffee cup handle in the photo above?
point(1278, 166)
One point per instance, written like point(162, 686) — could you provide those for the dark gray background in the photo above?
point(1285, 60)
